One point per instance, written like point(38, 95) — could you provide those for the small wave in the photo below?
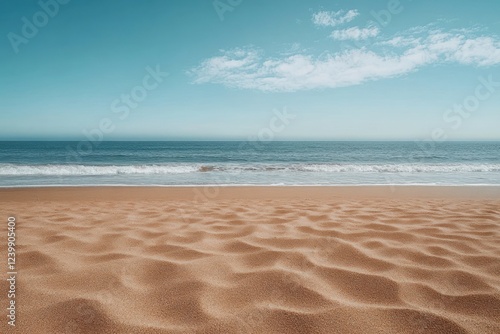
point(400, 168)
point(57, 170)
point(68, 170)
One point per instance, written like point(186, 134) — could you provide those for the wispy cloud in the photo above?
point(249, 69)
point(355, 33)
point(331, 19)
point(400, 41)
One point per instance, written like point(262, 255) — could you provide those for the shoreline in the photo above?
point(213, 193)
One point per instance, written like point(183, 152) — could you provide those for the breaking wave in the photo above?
point(68, 170)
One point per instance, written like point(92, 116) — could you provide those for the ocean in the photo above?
point(177, 163)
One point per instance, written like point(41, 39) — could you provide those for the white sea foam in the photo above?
point(93, 170)
point(402, 168)
point(82, 170)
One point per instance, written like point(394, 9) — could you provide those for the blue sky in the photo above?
point(346, 70)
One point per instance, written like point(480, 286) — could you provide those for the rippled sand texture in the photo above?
point(258, 266)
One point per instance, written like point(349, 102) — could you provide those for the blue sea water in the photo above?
point(248, 163)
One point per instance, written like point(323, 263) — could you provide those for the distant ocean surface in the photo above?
point(248, 163)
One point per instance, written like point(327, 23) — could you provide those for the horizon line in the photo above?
point(246, 140)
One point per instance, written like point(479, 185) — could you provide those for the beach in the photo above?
point(353, 259)
point(243, 167)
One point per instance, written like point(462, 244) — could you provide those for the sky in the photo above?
point(249, 69)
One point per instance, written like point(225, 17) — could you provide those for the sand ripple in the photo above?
point(275, 266)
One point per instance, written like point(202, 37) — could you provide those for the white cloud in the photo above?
point(401, 41)
point(249, 69)
point(355, 33)
point(483, 51)
point(301, 72)
point(331, 19)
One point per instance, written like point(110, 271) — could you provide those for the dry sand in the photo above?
point(255, 260)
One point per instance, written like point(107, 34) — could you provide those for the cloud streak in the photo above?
point(331, 19)
point(355, 33)
point(250, 69)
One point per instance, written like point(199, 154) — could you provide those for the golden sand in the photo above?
point(255, 260)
